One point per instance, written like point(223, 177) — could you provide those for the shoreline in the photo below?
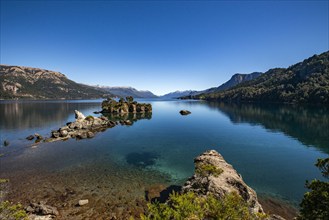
point(272, 205)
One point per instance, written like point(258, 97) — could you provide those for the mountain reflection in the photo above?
point(133, 117)
point(24, 115)
point(308, 124)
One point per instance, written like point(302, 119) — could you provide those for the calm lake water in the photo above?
point(274, 147)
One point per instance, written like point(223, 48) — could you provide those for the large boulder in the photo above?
point(185, 112)
point(213, 175)
point(78, 115)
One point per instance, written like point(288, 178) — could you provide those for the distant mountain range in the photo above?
point(304, 82)
point(126, 91)
point(18, 82)
point(177, 94)
point(235, 80)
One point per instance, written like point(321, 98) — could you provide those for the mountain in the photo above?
point(235, 80)
point(177, 94)
point(127, 91)
point(17, 82)
point(304, 82)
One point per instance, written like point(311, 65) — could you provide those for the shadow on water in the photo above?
point(164, 194)
point(141, 159)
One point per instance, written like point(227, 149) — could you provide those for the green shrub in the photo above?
point(315, 203)
point(190, 206)
point(4, 181)
point(11, 211)
point(89, 118)
point(208, 169)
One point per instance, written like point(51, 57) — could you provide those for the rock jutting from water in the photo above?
point(86, 127)
point(213, 175)
point(185, 112)
point(125, 106)
point(83, 127)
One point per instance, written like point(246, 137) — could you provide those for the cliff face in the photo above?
point(237, 79)
point(34, 83)
point(213, 175)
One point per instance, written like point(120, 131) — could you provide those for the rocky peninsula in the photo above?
point(215, 191)
point(124, 112)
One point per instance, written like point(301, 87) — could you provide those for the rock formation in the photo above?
point(213, 175)
point(82, 127)
point(185, 112)
point(125, 106)
point(86, 127)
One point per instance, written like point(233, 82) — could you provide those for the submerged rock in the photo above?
point(83, 202)
point(185, 112)
point(38, 136)
point(30, 137)
point(213, 175)
point(42, 209)
point(6, 143)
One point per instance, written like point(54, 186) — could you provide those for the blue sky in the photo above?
point(161, 46)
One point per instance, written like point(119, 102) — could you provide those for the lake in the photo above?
point(274, 148)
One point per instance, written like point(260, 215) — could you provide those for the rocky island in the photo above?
point(125, 106)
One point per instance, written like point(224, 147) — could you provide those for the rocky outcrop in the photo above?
point(86, 127)
point(41, 211)
point(83, 127)
point(185, 112)
point(125, 106)
point(213, 175)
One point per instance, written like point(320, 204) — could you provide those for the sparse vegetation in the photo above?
point(191, 206)
point(11, 211)
point(89, 118)
point(208, 169)
point(4, 180)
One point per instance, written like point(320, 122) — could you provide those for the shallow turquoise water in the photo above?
point(274, 147)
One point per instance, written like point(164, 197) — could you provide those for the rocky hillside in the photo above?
point(127, 91)
point(304, 82)
point(19, 82)
point(235, 80)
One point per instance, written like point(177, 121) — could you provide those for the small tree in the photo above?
point(315, 204)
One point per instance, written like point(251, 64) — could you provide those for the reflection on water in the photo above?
point(133, 117)
point(274, 147)
point(24, 115)
point(308, 124)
